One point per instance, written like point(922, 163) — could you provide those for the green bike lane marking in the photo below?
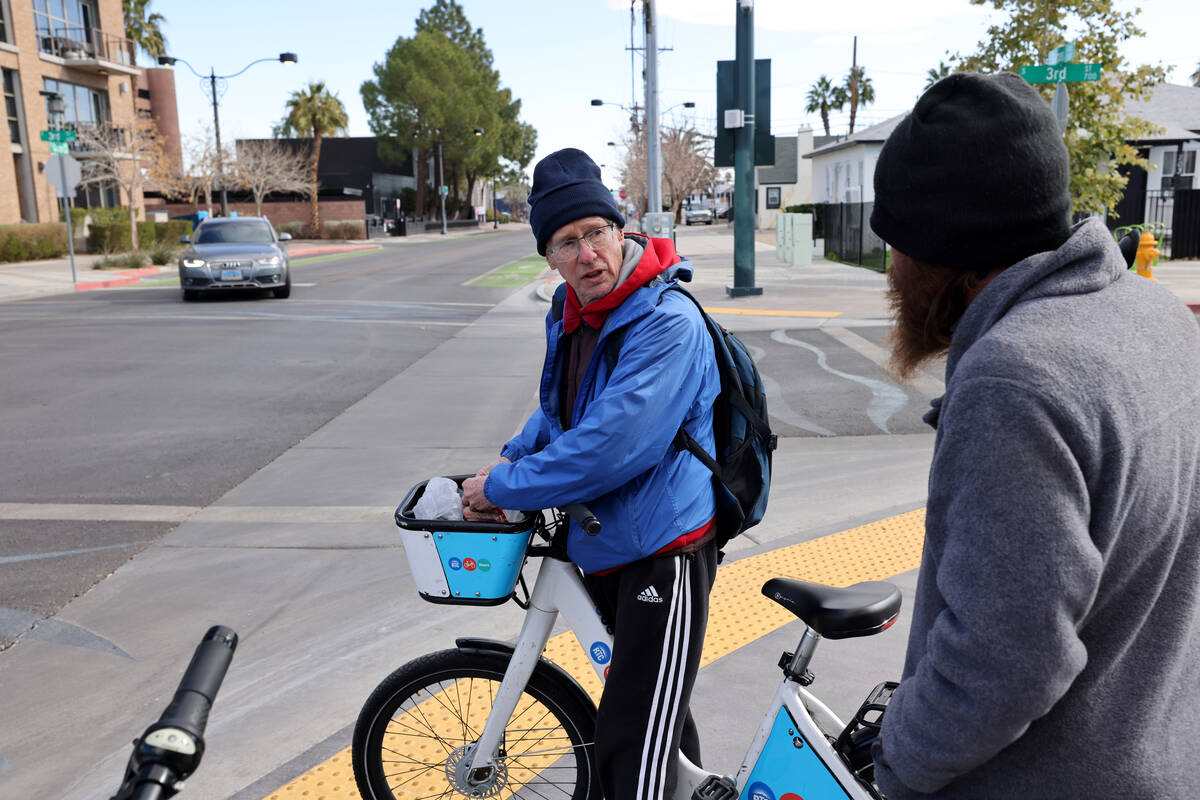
point(513, 275)
point(738, 616)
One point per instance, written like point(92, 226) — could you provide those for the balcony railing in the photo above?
point(90, 49)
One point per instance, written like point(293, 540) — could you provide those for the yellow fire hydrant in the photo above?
point(1147, 254)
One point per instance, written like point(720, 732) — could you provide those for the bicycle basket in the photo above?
point(459, 562)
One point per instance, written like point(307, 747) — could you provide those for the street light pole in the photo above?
point(495, 211)
point(441, 186)
point(212, 77)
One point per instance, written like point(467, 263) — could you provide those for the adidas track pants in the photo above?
point(658, 610)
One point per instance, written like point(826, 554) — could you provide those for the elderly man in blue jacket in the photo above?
point(602, 435)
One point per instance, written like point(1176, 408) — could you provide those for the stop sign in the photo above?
point(622, 194)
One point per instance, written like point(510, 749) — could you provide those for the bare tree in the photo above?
point(515, 194)
point(687, 164)
point(121, 156)
point(268, 165)
point(633, 170)
point(202, 167)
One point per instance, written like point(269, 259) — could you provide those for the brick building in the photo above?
point(75, 49)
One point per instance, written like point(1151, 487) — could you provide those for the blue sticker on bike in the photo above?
point(600, 652)
point(454, 563)
point(760, 791)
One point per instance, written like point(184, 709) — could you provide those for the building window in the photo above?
point(4, 22)
point(84, 105)
point(11, 106)
point(1187, 163)
point(60, 21)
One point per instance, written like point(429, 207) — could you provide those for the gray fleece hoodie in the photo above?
point(1055, 645)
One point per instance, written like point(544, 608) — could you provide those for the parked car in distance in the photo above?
point(698, 214)
point(726, 214)
point(234, 253)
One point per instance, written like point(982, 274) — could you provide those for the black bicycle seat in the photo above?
point(859, 610)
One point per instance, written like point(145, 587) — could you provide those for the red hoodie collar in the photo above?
point(658, 256)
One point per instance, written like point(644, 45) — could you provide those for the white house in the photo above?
point(788, 182)
point(844, 171)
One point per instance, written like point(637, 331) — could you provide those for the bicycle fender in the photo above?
point(545, 668)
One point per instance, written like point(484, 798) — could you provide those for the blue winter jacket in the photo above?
point(618, 457)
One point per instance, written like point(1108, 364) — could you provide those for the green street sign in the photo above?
point(1061, 73)
point(59, 136)
point(59, 148)
point(1062, 55)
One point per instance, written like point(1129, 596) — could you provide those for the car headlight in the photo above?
point(269, 261)
point(192, 263)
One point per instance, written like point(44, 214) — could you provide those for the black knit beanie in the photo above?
point(567, 187)
point(976, 177)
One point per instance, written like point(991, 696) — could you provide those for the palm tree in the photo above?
point(935, 74)
point(822, 97)
point(314, 112)
point(143, 28)
point(859, 90)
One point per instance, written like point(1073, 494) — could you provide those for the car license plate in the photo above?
point(231, 274)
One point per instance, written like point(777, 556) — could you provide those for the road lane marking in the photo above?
point(738, 615)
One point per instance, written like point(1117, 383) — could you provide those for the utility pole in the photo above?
point(853, 83)
point(743, 159)
point(653, 144)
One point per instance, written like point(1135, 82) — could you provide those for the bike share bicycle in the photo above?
point(492, 719)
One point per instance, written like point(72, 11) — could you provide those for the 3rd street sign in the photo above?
point(59, 137)
point(1061, 73)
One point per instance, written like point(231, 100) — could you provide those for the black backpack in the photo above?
point(742, 431)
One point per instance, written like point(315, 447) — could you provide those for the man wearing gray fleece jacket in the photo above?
point(1055, 643)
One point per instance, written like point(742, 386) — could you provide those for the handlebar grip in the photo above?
point(198, 688)
point(580, 513)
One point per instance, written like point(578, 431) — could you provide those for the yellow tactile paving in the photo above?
point(767, 312)
point(739, 614)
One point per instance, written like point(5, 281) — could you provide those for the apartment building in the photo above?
point(75, 49)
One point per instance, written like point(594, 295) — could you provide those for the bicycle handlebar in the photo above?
point(580, 513)
point(171, 748)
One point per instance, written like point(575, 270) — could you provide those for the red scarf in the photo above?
point(658, 256)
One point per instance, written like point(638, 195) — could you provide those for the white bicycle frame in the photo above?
point(790, 748)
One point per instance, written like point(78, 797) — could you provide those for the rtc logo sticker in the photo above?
point(469, 564)
point(760, 791)
point(454, 563)
point(484, 565)
point(601, 654)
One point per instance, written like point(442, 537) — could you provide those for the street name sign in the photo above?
point(60, 148)
point(1061, 73)
point(1062, 55)
point(62, 136)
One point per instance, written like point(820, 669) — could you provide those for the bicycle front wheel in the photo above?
point(416, 733)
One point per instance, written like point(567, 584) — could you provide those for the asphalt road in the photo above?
point(248, 451)
point(132, 398)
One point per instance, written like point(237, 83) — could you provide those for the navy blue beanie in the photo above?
point(567, 187)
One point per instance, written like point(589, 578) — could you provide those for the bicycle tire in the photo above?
point(413, 733)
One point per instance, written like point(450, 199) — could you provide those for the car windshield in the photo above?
point(235, 233)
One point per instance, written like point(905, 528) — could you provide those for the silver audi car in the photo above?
point(229, 253)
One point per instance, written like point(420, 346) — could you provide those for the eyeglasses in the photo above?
point(567, 251)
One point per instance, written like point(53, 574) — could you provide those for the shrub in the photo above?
point(172, 230)
point(345, 229)
point(121, 261)
point(293, 229)
point(146, 233)
point(28, 241)
point(162, 252)
point(109, 237)
point(108, 216)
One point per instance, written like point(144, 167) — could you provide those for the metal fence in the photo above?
point(1175, 212)
point(848, 236)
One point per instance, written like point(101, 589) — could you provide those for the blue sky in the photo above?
point(557, 55)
